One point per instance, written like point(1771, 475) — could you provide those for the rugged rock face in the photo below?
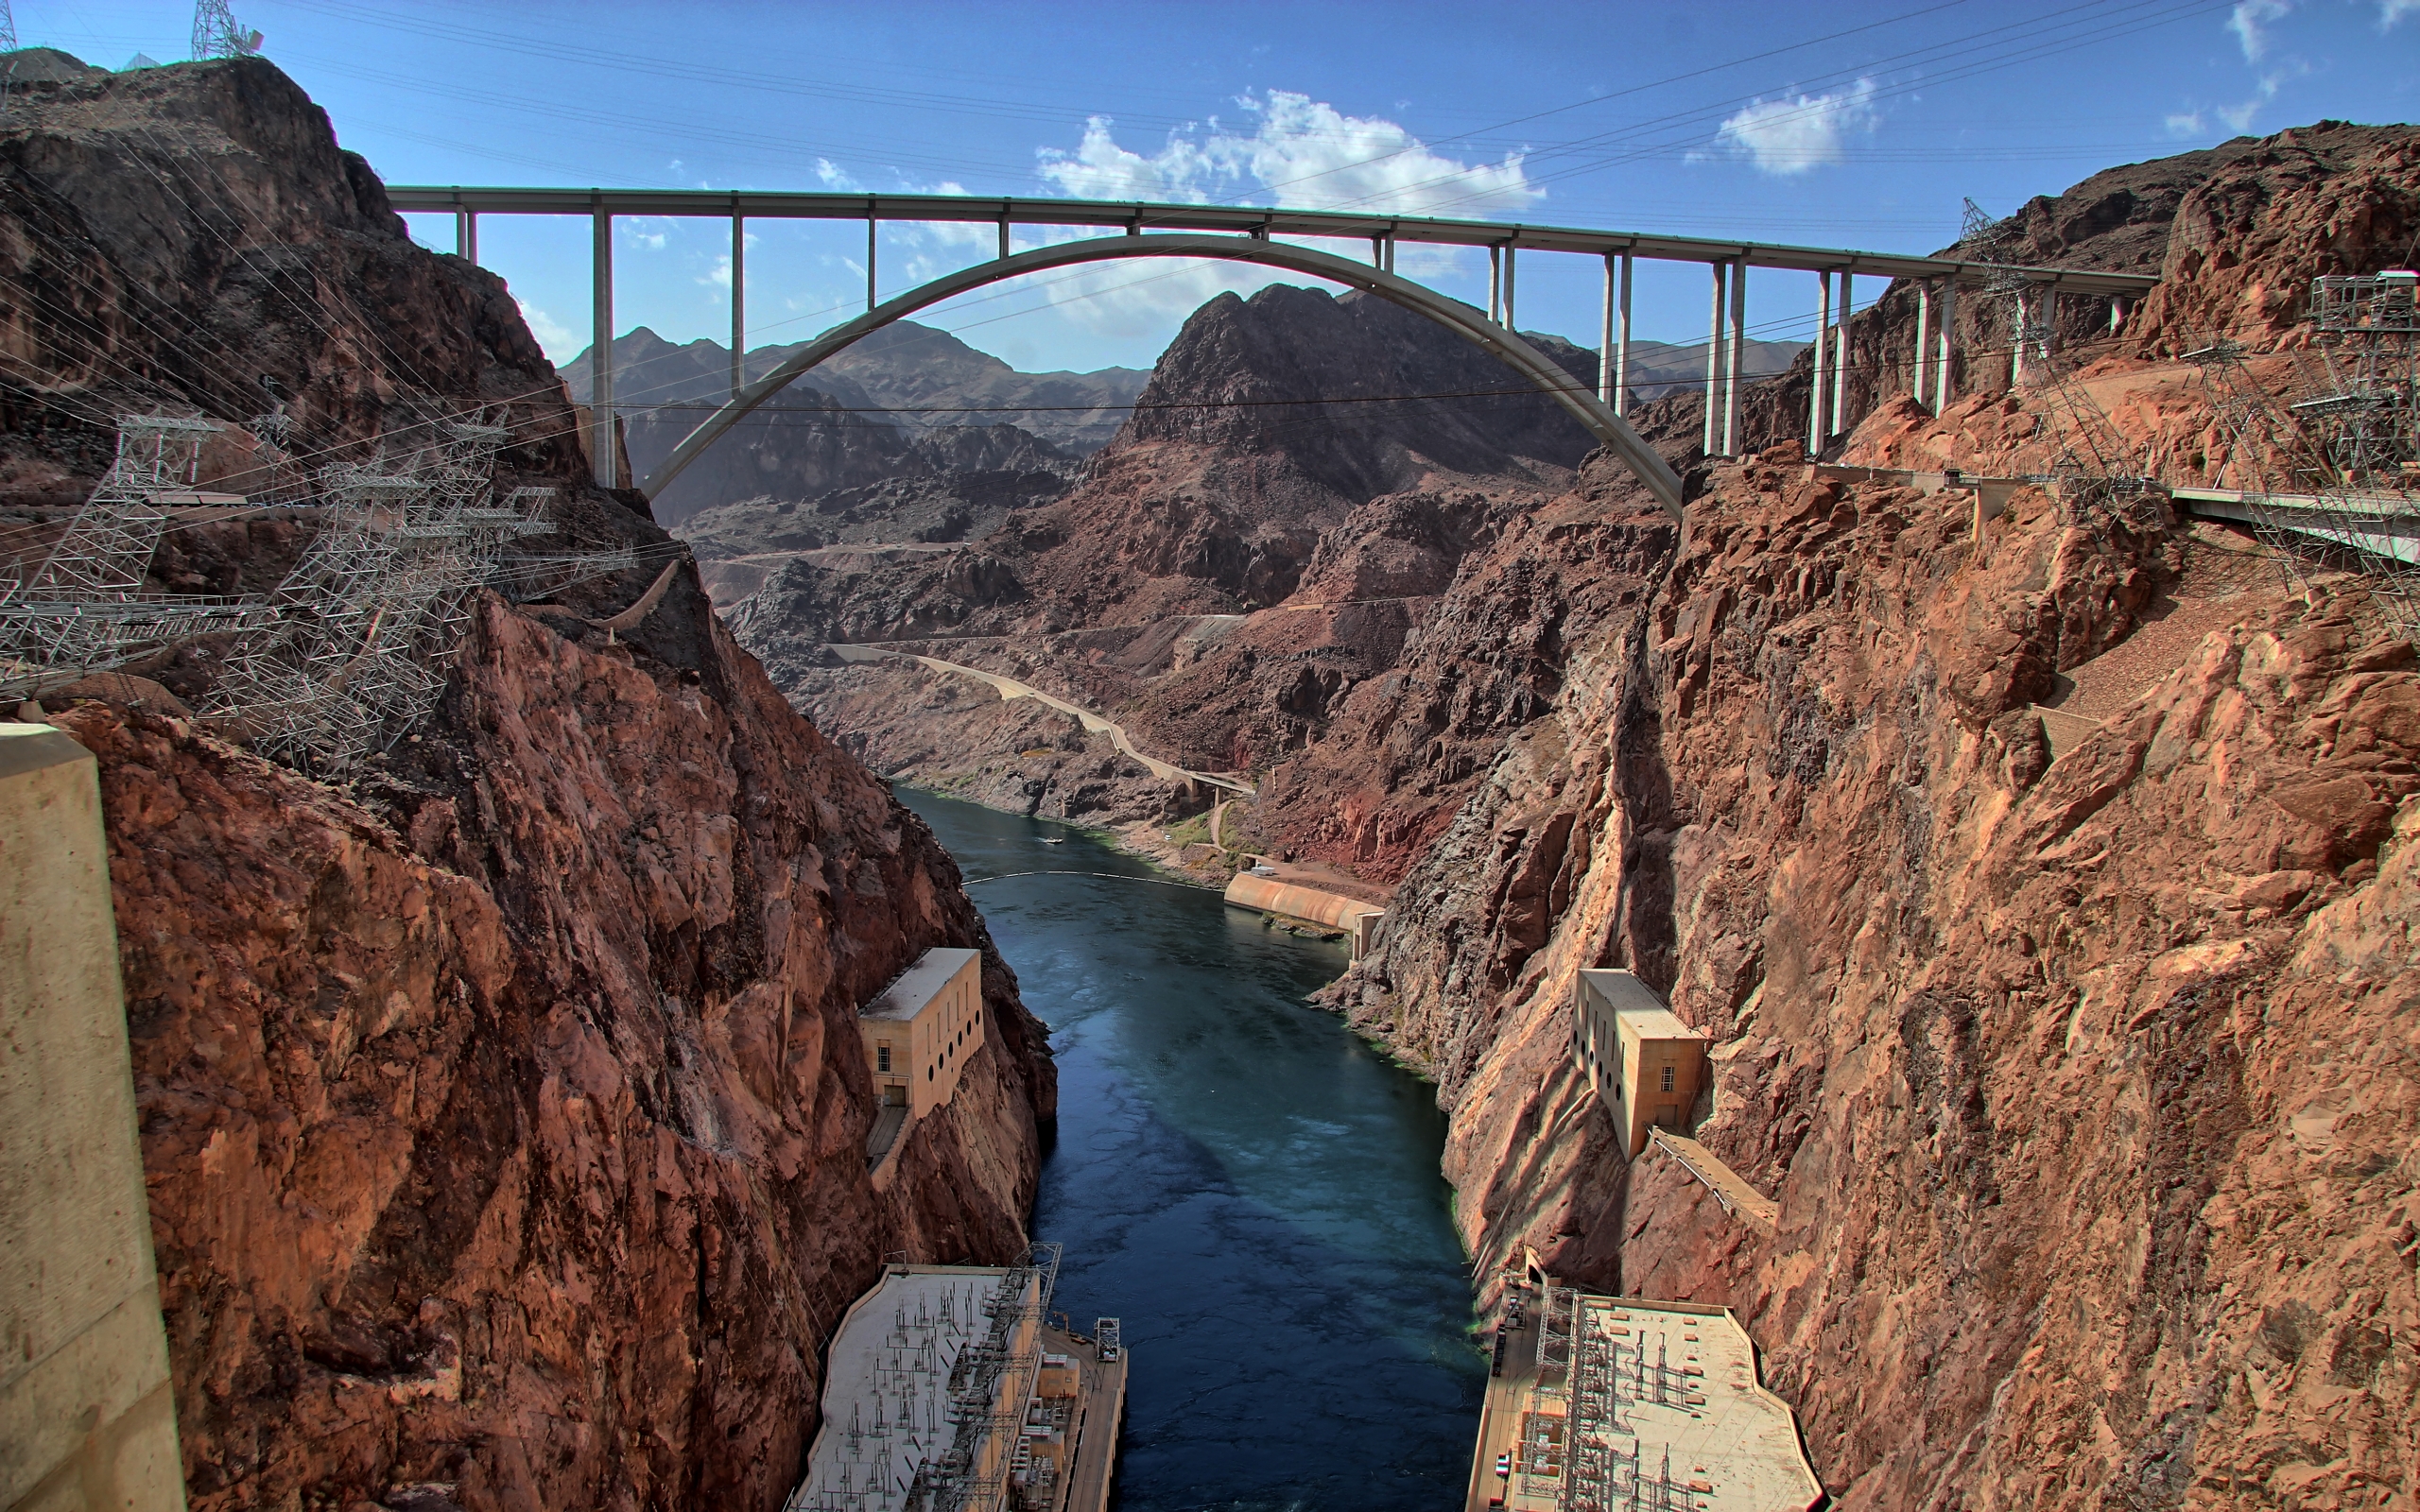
point(1301, 481)
point(2046, 1062)
point(2084, 1084)
point(504, 1111)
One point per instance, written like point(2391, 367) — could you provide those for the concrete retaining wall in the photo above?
point(1271, 895)
point(87, 1418)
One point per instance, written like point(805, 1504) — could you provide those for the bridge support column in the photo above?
point(1819, 355)
point(2119, 307)
point(1390, 255)
point(1943, 385)
point(1495, 282)
point(466, 234)
point(1739, 352)
point(1840, 358)
point(738, 302)
point(1605, 341)
point(872, 226)
point(1713, 363)
point(1004, 235)
point(1510, 252)
point(1924, 332)
point(600, 347)
point(1621, 348)
point(2017, 348)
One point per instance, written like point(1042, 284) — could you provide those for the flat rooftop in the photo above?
point(1680, 1388)
point(886, 1384)
point(1656, 1402)
point(1635, 1006)
point(906, 997)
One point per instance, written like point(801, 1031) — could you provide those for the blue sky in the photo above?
point(1862, 124)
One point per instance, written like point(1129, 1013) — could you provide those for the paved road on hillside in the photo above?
point(1010, 688)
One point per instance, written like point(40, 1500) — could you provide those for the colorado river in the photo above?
point(1248, 1187)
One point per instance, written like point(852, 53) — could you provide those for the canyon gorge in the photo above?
point(2043, 876)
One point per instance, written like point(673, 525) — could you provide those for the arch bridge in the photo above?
point(1248, 233)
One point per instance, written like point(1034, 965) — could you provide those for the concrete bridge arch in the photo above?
point(1464, 321)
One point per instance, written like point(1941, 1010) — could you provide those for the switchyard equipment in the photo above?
point(934, 1394)
point(1628, 1405)
point(2330, 468)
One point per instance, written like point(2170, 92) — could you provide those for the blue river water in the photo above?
point(1249, 1188)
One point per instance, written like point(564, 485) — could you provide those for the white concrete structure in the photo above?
point(1640, 1058)
point(86, 1416)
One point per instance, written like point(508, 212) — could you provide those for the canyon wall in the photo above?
point(503, 1108)
point(2078, 1048)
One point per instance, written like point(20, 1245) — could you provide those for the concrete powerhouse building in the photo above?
point(1646, 1064)
point(918, 1033)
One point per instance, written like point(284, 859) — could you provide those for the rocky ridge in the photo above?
point(503, 1110)
point(2084, 1083)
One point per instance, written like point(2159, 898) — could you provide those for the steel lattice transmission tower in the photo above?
point(7, 29)
point(2343, 441)
point(217, 33)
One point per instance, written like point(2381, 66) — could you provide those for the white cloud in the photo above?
point(1300, 151)
point(554, 338)
point(1297, 151)
point(2239, 117)
point(832, 175)
point(1787, 136)
point(2186, 124)
point(720, 275)
point(650, 232)
point(2391, 12)
point(2250, 18)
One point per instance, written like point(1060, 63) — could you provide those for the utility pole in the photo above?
point(217, 33)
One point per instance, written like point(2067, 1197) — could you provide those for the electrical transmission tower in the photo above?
point(8, 45)
point(2329, 469)
point(217, 33)
point(2091, 464)
point(88, 606)
point(377, 603)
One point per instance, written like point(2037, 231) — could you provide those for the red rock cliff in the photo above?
point(2086, 1086)
point(504, 1111)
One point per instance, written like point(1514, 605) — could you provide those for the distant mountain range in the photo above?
point(903, 374)
point(912, 403)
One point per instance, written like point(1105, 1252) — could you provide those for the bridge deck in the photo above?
point(1248, 220)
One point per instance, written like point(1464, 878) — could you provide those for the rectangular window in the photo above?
point(1667, 1078)
point(882, 1057)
